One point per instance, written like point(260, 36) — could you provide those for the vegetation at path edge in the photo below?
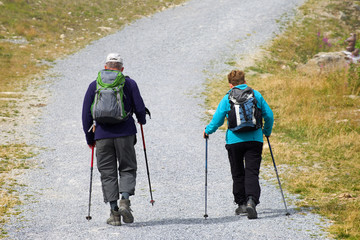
point(317, 127)
point(33, 34)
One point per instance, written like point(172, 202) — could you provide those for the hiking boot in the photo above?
point(251, 208)
point(114, 218)
point(241, 209)
point(125, 211)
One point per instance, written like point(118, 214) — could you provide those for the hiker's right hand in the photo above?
point(205, 135)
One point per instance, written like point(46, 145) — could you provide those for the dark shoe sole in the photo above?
point(252, 214)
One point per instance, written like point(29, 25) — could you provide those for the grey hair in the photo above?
point(115, 65)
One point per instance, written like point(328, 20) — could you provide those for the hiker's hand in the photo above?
point(205, 135)
point(91, 145)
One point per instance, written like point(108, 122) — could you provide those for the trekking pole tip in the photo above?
point(152, 202)
point(287, 214)
point(206, 216)
point(88, 218)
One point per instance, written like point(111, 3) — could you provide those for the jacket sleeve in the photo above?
point(267, 115)
point(219, 116)
point(87, 119)
point(138, 104)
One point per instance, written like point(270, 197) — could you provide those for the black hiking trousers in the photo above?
point(245, 160)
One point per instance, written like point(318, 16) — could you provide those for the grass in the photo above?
point(32, 35)
point(317, 127)
point(35, 33)
point(12, 156)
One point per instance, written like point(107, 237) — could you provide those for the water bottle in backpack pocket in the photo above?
point(244, 114)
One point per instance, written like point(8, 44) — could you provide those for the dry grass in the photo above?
point(35, 33)
point(317, 127)
point(12, 157)
point(32, 35)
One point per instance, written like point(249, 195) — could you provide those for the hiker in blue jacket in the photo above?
point(244, 148)
point(115, 150)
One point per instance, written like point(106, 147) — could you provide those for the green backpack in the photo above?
point(108, 105)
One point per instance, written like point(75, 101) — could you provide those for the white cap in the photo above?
point(114, 57)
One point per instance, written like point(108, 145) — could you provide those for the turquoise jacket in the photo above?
point(233, 137)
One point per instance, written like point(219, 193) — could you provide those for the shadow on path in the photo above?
point(262, 214)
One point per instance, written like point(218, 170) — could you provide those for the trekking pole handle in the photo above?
point(142, 135)
point(92, 156)
point(206, 136)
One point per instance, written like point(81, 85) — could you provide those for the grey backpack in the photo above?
point(108, 105)
point(244, 115)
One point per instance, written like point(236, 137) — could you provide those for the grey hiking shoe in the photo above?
point(125, 211)
point(114, 218)
point(241, 209)
point(251, 208)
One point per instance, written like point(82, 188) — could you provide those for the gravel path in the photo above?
point(168, 55)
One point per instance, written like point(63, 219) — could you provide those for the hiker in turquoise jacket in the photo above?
point(244, 148)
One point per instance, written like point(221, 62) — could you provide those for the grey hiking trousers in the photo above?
point(116, 155)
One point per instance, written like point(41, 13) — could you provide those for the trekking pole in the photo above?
point(277, 175)
point(88, 217)
point(147, 166)
point(206, 171)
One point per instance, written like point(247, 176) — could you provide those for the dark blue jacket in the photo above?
point(132, 102)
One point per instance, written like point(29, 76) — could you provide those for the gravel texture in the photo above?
point(170, 55)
